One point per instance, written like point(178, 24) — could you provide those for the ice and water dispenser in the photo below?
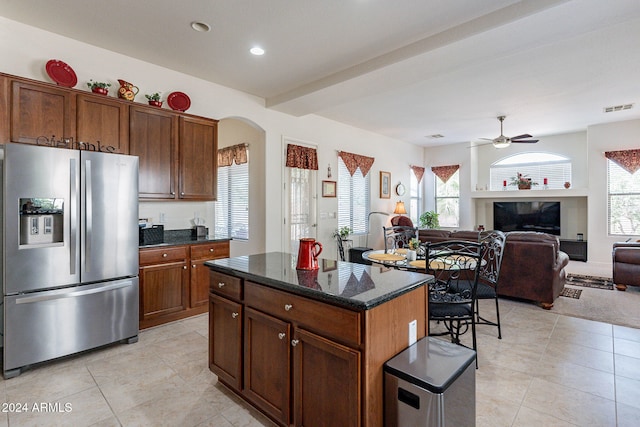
point(41, 221)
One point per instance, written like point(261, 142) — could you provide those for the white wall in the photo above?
point(25, 50)
point(605, 137)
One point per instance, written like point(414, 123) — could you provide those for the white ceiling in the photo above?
point(404, 68)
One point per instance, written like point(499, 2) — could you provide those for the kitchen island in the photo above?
point(307, 347)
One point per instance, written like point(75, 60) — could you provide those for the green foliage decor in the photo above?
point(153, 97)
point(429, 219)
point(92, 85)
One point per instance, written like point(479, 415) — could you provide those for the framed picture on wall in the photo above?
point(328, 189)
point(385, 185)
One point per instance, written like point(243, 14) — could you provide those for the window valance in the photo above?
point(355, 161)
point(302, 157)
point(445, 172)
point(628, 160)
point(237, 153)
point(418, 171)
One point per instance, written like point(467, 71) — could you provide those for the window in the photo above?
point(537, 166)
point(353, 199)
point(448, 201)
point(232, 206)
point(415, 196)
point(623, 200)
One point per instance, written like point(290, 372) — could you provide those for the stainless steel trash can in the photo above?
point(431, 383)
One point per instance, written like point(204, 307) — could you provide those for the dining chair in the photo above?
point(398, 236)
point(451, 262)
point(494, 243)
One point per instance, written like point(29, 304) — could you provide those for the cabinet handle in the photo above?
point(193, 266)
point(294, 342)
point(221, 284)
point(185, 267)
point(234, 315)
point(164, 255)
point(182, 194)
point(281, 335)
point(173, 193)
point(211, 250)
point(287, 307)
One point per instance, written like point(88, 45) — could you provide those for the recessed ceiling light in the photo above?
point(257, 51)
point(201, 27)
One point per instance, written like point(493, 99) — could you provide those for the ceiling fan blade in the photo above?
point(526, 141)
point(524, 135)
point(487, 139)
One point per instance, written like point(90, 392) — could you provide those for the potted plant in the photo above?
point(429, 219)
point(414, 244)
point(343, 232)
point(99, 87)
point(522, 181)
point(154, 99)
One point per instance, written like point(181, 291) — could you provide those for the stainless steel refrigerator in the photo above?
point(69, 252)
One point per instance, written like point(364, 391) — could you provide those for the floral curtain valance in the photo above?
point(445, 172)
point(227, 155)
point(302, 157)
point(418, 171)
point(355, 161)
point(628, 160)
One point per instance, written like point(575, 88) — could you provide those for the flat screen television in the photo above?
point(527, 216)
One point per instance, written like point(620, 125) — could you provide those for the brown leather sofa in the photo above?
point(626, 264)
point(532, 264)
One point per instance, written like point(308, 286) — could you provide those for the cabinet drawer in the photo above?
point(210, 251)
point(223, 284)
point(160, 255)
point(328, 320)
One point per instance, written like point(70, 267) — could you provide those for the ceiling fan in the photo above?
point(503, 141)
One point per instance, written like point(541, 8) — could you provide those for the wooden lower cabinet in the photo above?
point(225, 323)
point(172, 284)
point(295, 366)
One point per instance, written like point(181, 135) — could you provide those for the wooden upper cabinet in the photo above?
point(153, 137)
point(103, 120)
point(198, 158)
point(41, 110)
point(5, 108)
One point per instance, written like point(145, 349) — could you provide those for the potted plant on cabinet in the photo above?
point(429, 219)
point(154, 99)
point(98, 87)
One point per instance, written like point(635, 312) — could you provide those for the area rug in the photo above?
point(570, 293)
point(589, 281)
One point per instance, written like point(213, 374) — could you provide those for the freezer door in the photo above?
point(109, 219)
point(41, 244)
point(45, 325)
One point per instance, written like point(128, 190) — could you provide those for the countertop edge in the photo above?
point(322, 297)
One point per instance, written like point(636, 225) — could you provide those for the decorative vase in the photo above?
point(155, 103)
point(524, 186)
point(411, 255)
point(567, 184)
point(100, 90)
point(127, 90)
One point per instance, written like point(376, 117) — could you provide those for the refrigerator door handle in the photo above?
point(73, 216)
point(39, 298)
point(88, 216)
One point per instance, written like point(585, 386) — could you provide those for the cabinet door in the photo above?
point(153, 138)
point(163, 289)
point(41, 110)
point(267, 381)
point(103, 120)
point(198, 158)
point(199, 294)
point(225, 340)
point(5, 97)
point(326, 377)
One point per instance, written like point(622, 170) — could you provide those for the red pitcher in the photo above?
point(307, 255)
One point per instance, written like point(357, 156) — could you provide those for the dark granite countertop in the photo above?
point(354, 286)
point(182, 237)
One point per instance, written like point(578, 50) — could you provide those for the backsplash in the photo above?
point(177, 215)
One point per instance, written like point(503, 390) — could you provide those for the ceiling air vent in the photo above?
point(618, 108)
point(434, 136)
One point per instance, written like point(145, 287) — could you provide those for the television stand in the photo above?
point(576, 249)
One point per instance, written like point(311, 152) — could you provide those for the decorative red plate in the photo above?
point(178, 101)
point(61, 73)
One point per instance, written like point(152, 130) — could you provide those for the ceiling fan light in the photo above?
point(501, 142)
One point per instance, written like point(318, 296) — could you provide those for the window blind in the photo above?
point(232, 206)
point(623, 202)
point(353, 199)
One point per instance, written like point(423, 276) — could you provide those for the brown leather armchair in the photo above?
point(626, 264)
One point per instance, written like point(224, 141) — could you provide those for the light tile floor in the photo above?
point(548, 370)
